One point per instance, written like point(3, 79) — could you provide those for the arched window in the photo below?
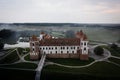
point(73, 52)
point(81, 43)
point(33, 49)
point(33, 44)
point(84, 48)
point(74, 47)
point(55, 47)
point(44, 52)
point(56, 52)
point(52, 48)
point(67, 47)
point(67, 51)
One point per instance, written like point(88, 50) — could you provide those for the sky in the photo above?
point(60, 11)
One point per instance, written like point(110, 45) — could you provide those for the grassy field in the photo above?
point(57, 34)
point(114, 52)
point(97, 71)
point(23, 51)
point(27, 58)
point(114, 60)
point(12, 57)
point(71, 62)
point(9, 74)
point(23, 65)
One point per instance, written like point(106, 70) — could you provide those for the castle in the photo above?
point(59, 47)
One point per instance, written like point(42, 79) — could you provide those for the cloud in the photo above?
point(59, 10)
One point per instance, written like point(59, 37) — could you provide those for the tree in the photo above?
point(114, 46)
point(70, 34)
point(98, 50)
point(6, 33)
point(1, 44)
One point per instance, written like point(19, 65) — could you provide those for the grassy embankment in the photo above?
point(70, 62)
point(97, 71)
point(10, 58)
point(10, 74)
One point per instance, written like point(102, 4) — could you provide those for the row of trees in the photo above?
point(4, 35)
point(1, 44)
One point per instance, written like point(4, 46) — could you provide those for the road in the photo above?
point(40, 66)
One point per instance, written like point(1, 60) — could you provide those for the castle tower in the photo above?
point(34, 48)
point(84, 48)
point(79, 34)
point(42, 35)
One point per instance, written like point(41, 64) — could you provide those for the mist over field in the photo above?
point(96, 32)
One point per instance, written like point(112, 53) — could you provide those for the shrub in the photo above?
point(98, 50)
point(114, 46)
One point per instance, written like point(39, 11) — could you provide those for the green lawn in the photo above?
point(27, 58)
point(114, 60)
point(97, 41)
point(23, 51)
point(114, 52)
point(97, 71)
point(10, 74)
point(23, 65)
point(57, 34)
point(71, 62)
point(12, 57)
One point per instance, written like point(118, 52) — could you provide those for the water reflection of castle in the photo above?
point(59, 47)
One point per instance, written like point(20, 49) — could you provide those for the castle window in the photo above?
point(84, 48)
point(63, 47)
point(74, 47)
point(46, 48)
point(67, 47)
point(84, 43)
point(40, 48)
point(61, 51)
point(49, 48)
point(55, 47)
point(72, 51)
point(33, 44)
point(56, 52)
point(50, 52)
point(81, 43)
point(33, 49)
point(44, 52)
point(67, 51)
point(77, 47)
point(52, 48)
point(71, 47)
point(43, 48)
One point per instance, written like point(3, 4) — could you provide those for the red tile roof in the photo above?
point(60, 42)
point(34, 38)
point(49, 41)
